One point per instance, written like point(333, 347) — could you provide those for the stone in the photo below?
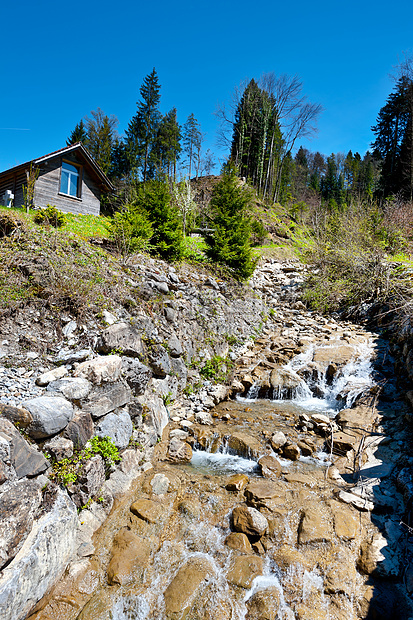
point(261, 492)
point(239, 542)
point(80, 429)
point(51, 375)
point(278, 440)
point(203, 417)
point(237, 482)
point(136, 375)
point(249, 521)
point(284, 381)
point(184, 586)
point(24, 458)
point(314, 526)
point(68, 356)
point(174, 346)
point(107, 398)
point(117, 426)
point(159, 484)
point(357, 419)
point(244, 570)
point(101, 369)
point(270, 467)
point(291, 451)
point(341, 576)
point(59, 448)
point(17, 415)
point(244, 445)
point(180, 372)
point(72, 388)
point(358, 502)
point(179, 451)
point(377, 559)
point(264, 604)
point(147, 509)
point(108, 317)
point(18, 507)
point(159, 360)
point(129, 557)
point(307, 447)
point(41, 561)
point(50, 415)
point(121, 337)
point(154, 411)
point(90, 481)
point(338, 354)
point(342, 442)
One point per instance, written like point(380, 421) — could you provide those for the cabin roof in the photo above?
point(78, 146)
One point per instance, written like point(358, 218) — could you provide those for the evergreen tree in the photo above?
point(230, 221)
point(192, 140)
point(101, 137)
point(167, 147)
point(78, 134)
point(143, 128)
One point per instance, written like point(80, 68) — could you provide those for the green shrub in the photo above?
point(50, 216)
point(130, 230)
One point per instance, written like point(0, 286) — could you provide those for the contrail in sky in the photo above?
point(14, 128)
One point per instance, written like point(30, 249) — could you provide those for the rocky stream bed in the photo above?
point(282, 494)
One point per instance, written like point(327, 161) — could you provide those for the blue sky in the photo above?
point(61, 60)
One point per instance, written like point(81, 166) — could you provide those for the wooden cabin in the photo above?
point(69, 179)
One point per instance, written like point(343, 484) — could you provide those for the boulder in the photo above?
point(69, 356)
point(102, 369)
point(72, 388)
point(17, 415)
point(261, 492)
point(90, 481)
point(59, 448)
point(147, 509)
point(185, 585)
point(80, 429)
point(249, 521)
point(244, 445)
point(121, 337)
point(136, 375)
point(338, 354)
point(244, 570)
point(377, 558)
point(269, 466)
point(237, 482)
point(41, 560)
point(107, 398)
point(284, 381)
point(179, 450)
point(159, 360)
point(314, 526)
point(129, 557)
point(238, 542)
point(25, 459)
point(117, 426)
point(154, 411)
point(291, 451)
point(278, 440)
point(264, 604)
point(51, 375)
point(174, 346)
point(50, 415)
point(18, 508)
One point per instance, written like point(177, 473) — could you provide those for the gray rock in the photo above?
point(25, 459)
point(179, 371)
point(102, 369)
point(159, 360)
point(51, 375)
point(67, 356)
point(179, 451)
point(17, 415)
point(154, 411)
point(80, 429)
point(59, 448)
point(107, 398)
point(175, 347)
point(90, 482)
point(50, 415)
point(136, 374)
point(72, 388)
point(121, 337)
point(170, 315)
point(41, 561)
point(117, 426)
point(162, 287)
point(18, 507)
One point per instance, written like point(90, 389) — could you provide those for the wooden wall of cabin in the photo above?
point(47, 190)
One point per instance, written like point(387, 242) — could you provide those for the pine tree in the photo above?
point(192, 140)
point(101, 137)
point(167, 147)
point(142, 129)
point(230, 221)
point(78, 134)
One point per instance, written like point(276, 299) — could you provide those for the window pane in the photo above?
point(64, 183)
point(67, 166)
point(73, 185)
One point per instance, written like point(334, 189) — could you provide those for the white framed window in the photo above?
point(70, 180)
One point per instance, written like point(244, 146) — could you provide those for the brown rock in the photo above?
point(342, 442)
point(239, 542)
point(244, 570)
point(286, 556)
point(147, 510)
point(259, 493)
point(184, 586)
point(341, 576)
point(345, 525)
point(264, 605)
point(244, 445)
point(249, 521)
point(80, 429)
point(237, 482)
point(314, 526)
point(179, 451)
point(130, 555)
point(291, 451)
point(340, 354)
point(270, 467)
point(307, 447)
point(18, 415)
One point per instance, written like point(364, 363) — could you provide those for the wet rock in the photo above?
point(264, 605)
point(314, 526)
point(80, 429)
point(244, 445)
point(262, 493)
point(248, 521)
point(102, 369)
point(239, 542)
point(18, 507)
point(377, 558)
point(190, 507)
point(184, 586)
point(278, 440)
point(17, 415)
point(52, 375)
point(341, 577)
point(342, 443)
point(47, 550)
point(286, 557)
point(345, 525)
point(284, 381)
point(117, 426)
point(356, 420)
point(72, 388)
point(307, 447)
point(147, 509)
point(338, 354)
point(21, 456)
point(107, 398)
point(237, 482)
point(59, 448)
point(204, 417)
point(129, 557)
point(136, 374)
point(270, 467)
point(179, 451)
point(244, 570)
point(50, 415)
point(291, 451)
point(358, 502)
point(121, 337)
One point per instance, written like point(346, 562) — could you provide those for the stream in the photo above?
point(288, 508)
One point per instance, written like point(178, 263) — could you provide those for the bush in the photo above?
point(50, 216)
point(130, 230)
